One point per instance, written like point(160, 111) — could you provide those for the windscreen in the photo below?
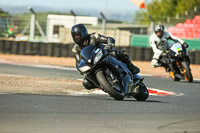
point(86, 52)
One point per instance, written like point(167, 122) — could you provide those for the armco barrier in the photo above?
point(64, 50)
point(143, 41)
point(139, 53)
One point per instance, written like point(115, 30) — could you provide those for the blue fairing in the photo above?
point(86, 52)
point(82, 63)
point(114, 62)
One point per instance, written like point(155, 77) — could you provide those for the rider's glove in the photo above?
point(109, 46)
point(166, 51)
point(121, 52)
point(185, 45)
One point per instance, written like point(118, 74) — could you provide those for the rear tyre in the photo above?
point(105, 83)
point(186, 72)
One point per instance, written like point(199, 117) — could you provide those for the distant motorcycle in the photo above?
point(111, 75)
point(177, 54)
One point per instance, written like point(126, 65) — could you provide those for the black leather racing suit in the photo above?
point(96, 39)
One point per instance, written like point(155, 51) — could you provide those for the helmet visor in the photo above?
point(159, 33)
point(76, 37)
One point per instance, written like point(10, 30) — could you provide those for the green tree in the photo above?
point(3, 13)
point(161, 9)
point(184, 5)
point(4, 21)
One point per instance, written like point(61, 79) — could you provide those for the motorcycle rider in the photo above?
point(160, 45)
point(82, 38)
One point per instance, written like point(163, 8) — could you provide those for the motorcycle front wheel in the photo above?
point(186, 71)
point(143, 94)
point(113, 89)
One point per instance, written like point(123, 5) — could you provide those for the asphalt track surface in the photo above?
point(24, 113)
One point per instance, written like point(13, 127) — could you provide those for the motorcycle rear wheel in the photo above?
point(104, 82)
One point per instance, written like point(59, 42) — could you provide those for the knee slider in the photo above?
point(154, 63)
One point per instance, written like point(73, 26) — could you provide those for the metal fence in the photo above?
point(124, 37)
point(143, 41)
point(20, 24)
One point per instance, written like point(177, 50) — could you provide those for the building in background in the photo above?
point(55, 22)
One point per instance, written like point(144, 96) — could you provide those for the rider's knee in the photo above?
point(88, 85)
point(154, 63)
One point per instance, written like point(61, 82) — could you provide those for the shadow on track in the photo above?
point(194, 82)
point(134, 100)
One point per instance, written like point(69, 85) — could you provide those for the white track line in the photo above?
point(65, 68)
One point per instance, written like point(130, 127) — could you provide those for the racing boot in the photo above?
point(130, 66)
point(133, 68)
point(123, 56)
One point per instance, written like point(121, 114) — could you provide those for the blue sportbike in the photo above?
point(110, 74)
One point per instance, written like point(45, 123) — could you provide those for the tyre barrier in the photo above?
point(65, 50)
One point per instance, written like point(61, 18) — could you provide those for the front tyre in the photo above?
point(186, 72)
point(143, 93)
point(104, 81)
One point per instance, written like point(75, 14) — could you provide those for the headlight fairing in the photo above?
point(84, 68)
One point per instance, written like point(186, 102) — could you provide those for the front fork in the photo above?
point(134, 87)
point(181, 68)
point(128, 86)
